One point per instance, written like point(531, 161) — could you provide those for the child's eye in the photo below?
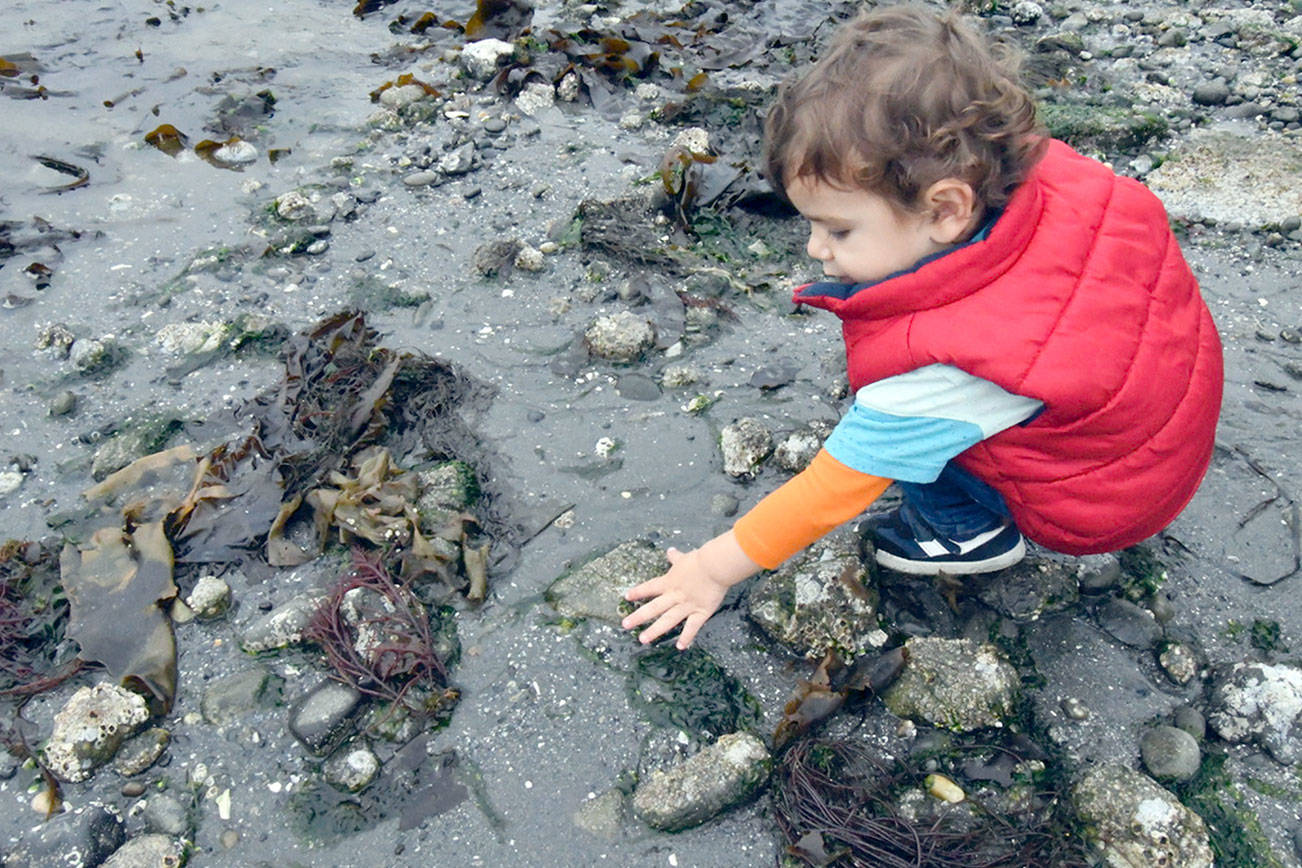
point(839, 234)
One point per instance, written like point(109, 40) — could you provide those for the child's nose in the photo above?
point(816, 247)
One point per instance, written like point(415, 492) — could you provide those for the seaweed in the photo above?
point(1237, 838)
point(33, 620)
point(835, 801)
point(689, 691)
point(383, 647)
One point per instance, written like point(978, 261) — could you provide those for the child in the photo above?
point(1029, 351)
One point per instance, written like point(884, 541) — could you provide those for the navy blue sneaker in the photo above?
point(915, 547)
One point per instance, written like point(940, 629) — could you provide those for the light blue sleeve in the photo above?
point(909, 426)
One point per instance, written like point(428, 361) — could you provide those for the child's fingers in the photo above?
point(649, 588)
point(646, 612)
point(691, 626)
point(673, 555)
point(662, 625)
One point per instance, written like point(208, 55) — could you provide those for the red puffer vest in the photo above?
point(1079, 297)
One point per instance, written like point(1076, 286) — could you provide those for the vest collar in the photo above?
point(946, 276)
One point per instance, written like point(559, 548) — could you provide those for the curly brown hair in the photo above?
point(906, 96)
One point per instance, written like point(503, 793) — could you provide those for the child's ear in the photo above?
point(950, 205)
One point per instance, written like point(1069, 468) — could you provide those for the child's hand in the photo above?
point(691, 591)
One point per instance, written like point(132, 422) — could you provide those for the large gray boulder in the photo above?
point(955, 684)
point(720, 776)
point(596, 589)
point(820, 600)
point(1135, 823)
point(1257, 702)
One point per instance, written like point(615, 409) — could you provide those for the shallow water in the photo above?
point(544, 723)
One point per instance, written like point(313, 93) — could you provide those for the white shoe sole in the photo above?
point(953, 568)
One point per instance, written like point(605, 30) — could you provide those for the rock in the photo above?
point(497, 258)
point(696, 140)
point(230, 697)
point(1097, 573)
point(10, 481)
point(86, 354)
point(1261, 703)
point(163, 813)
point(481, 58)
point(1170, 754)
point(1031, 588)
point(596, 589)
point(1214, 92)
point(458, 161)
point(1178, 661)
point(91, 727)
point(954, 684)
point(191, 337)
point(79, 838)
point(421, 179)
point(141, 751)
point(797, 449)
point(210, 598)
point(818, 601)
point(529, 259)
point(402, 95)
point(745, 444)
point(236, 153)
point(294, 206)
point(724, 505)
point(451, 485)
point(1025, 12)
point(1191, 721)
point(1230, 176)
point(536, 96)
point(281, 627)
point(720, 776)
point(1129, 624)
point(602, 816)
point(63, 403)
point(352, 770)
point(681, 376)
point(1134, 822)
point(619, 337)
point(55, 338)
point(320, 718)
point(147, 851)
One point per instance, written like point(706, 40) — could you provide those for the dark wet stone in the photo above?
point(1170, 754)
point(364, 255)
point(163, 813)
point(774, 376)
point(1191, 720)
point(141, 751)
point(637, 387)
point(1245, 110)
point(320, 719)
point(497, 258)
point(230, 697)
point(495, 124)
point(1098, 572)
point(721, 775)
point(80, 838)
point(1031, 588)
point(596, 589)
point(8, 765)
point(724, 505)
point(472, 193)
point(1129, 624)
point(147, 851)
point(132, 789)
point(64, 403)
point(421, 179)
point(1211, 93)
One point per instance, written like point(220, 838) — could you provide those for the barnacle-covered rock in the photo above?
point(91, 727)
point(955, 684)
point(1135, 823)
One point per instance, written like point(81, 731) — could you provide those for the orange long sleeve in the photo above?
point(823, 496)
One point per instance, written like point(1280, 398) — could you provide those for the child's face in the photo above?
point(857, 235)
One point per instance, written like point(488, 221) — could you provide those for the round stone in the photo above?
point(1170, 754)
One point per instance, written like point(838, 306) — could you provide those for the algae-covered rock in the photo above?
point(955, 684)
point(1032, 588)
point(819, 601)
point(596, 589)
point(745, 444)
point(1261, 703)
point(1101, 128)
point(91, 727)
point(1247, 178)
point(451, 485)
point(1135, 823)
point(720, 776)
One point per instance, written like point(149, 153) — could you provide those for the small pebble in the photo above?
point(1075, 709)
point(63, 404)
point(230, 838)
point(131, 789)
point(420, 179)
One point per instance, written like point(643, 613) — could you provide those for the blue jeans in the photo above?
point(957, 505)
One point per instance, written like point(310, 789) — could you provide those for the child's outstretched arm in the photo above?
point(821, 497)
